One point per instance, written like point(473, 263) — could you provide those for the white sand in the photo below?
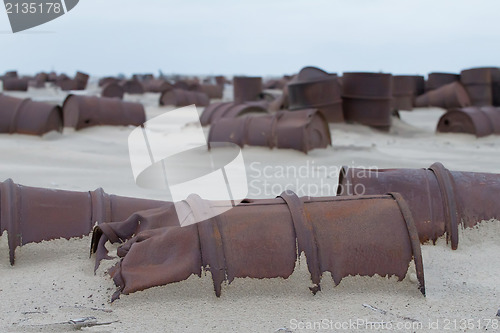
point(54, 281)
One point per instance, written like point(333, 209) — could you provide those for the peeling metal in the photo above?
point(264, 239)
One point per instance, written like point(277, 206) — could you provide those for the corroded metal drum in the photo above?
point(367, 99)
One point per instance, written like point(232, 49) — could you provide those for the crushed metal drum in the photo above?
point(112, 89)
point(437, 80)
point(246, 89)
point(440, 200)
point(345, 236)
point(367, 99)
point(32, 214)
point(301, 130)
point(479, 121)
point(85, 111)
point(25, 116)
point(314, 88)
point(180, 97)
point(452, 95)
point(216, 111)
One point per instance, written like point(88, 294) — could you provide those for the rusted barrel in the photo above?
point(105, 80)
point(212, 90)
point(479, 84)
point(301, 130)
point(85, 111)
point(179, 97)
point(81, 80)
point(15, 84)
point(25, 116)
point(367, 98)
point(31, 214)
point(67, 84)
point(479, 121)
point(10, 74)
point(345, 236)
point(449, 96)
point(132, 87)
point(39, 80)
point(276, 83)
point(246, 89)
point(317, 89)
point(157, 85)
point(419, 85)
point(216, 111)
point(440, 200)
point(403, 92)
point(112, 89)
point(220, 80)
point(437, 80)
point(188, 84)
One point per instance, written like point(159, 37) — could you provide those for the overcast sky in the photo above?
point(258, 37)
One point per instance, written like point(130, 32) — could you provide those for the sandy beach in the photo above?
point(53, 282)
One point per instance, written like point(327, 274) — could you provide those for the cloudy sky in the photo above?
point(258, 37)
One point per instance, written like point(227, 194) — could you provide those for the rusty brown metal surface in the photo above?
point(437, 80)
point(220, 80)
point(213, 91)
point(419, 85)
point(440, 200)
point(367, 99)
point(112, 89)
point(180, 97)
point(342, 235)
point(156, 85)
point(216, 111)
point(78, 83)
point(32, 214)
point(105, 80)
point(25, 116)
point(452, 95)
point(85, 111)
point(132, 87)
point(15, 84)
point(479, 121)
point(81, 80)
point(403, 92)
point(301, 130)
point(246, 89)
point(317, 89)
point(481, 85)
point(10, 74)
